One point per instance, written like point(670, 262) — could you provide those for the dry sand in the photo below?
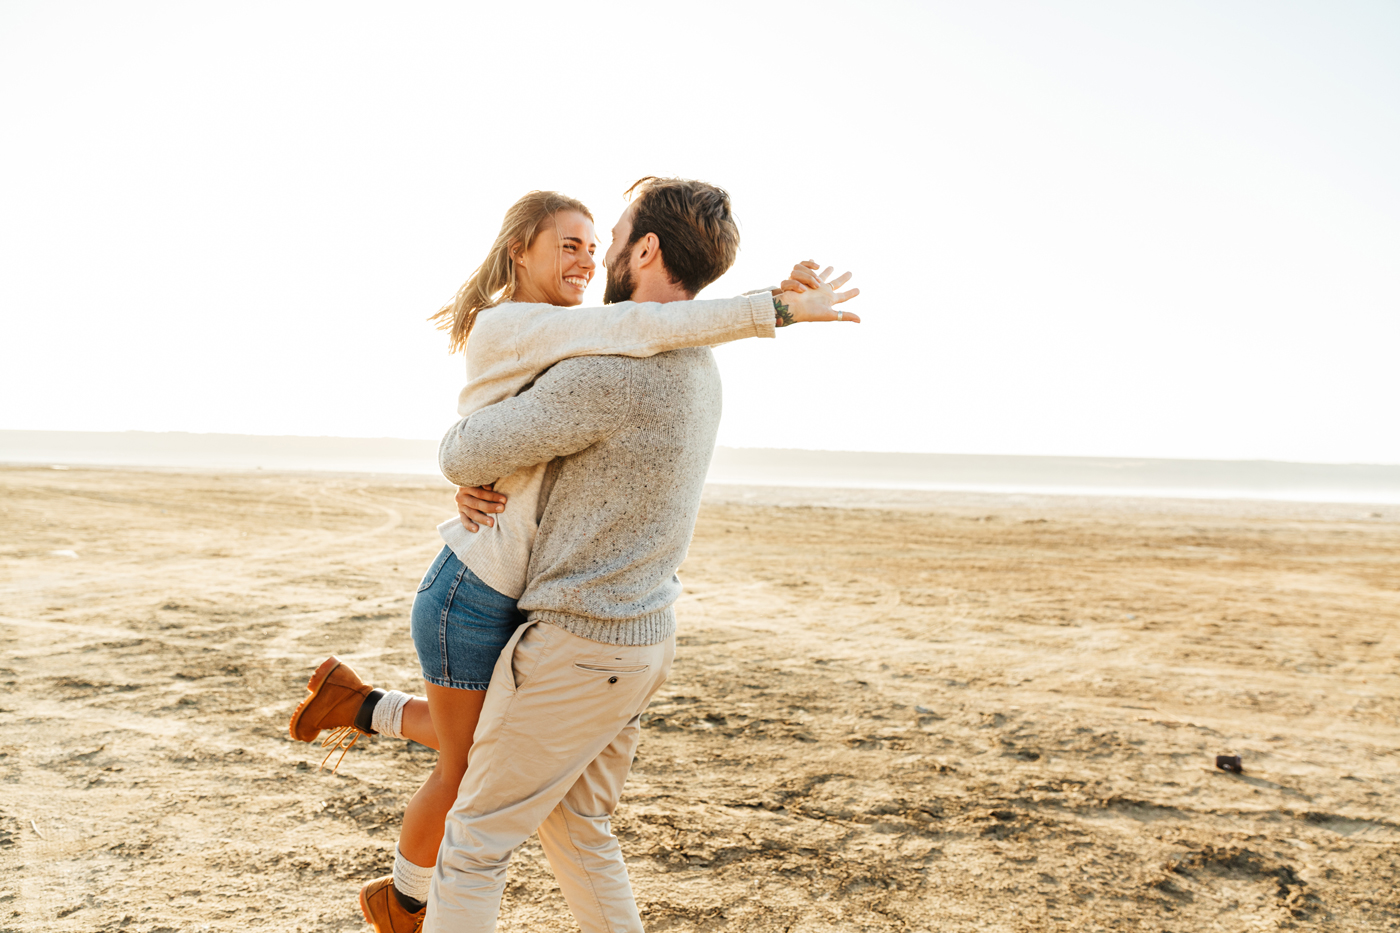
point(888, 712)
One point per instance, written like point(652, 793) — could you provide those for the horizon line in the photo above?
point(818, 450)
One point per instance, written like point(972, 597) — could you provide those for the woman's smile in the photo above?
point(557, 267)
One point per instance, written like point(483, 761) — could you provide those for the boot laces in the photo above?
point(342, 740)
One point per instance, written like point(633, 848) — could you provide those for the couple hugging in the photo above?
point(545, 625)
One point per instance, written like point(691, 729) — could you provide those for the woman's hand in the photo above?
point(473, 502)
point(802, 277)
point(810, 297)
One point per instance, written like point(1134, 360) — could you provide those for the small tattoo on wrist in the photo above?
point(783, 317)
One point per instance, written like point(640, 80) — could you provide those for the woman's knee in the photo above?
point(448, 774)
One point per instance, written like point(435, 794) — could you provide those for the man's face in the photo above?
point(620, 285)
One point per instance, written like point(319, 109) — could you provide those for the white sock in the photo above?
point(387, 718)
point(412, 880)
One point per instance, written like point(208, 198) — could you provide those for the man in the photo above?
point(629, 442)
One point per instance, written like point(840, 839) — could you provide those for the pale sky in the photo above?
point(1112, 228)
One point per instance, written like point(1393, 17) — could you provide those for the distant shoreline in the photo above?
point(749, 467)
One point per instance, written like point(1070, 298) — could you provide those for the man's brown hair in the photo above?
point(694, 222)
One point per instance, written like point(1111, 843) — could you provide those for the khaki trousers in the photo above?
point(555, 741)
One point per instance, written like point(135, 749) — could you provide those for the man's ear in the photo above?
point(649, 252)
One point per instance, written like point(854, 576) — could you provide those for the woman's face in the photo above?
point(558, 266)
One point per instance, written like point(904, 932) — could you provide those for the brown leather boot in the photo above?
point(383, 911)
point(336, 693)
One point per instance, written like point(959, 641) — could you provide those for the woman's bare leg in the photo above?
point(417, 723)
point(452, 720)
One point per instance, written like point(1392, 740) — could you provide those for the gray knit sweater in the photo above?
point(635, 438)
point(513, 343)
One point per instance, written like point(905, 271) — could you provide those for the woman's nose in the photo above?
point(587, 261)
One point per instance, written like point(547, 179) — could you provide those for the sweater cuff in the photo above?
point(764, 318)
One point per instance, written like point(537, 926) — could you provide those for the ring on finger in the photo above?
point(839, 312)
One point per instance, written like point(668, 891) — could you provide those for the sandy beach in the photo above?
point(890, 711)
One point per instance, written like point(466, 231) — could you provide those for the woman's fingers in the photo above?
point(806, 277)
point(790, 285)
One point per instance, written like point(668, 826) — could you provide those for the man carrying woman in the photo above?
point(602, 458)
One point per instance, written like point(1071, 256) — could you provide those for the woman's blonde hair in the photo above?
point(494, 280)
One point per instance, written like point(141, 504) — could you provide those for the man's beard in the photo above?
point(619, 285)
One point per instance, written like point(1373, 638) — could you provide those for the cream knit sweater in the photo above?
point(513, 343)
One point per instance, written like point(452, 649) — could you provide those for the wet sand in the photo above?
point(890, 711)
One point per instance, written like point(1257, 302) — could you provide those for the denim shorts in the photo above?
point(460, 625)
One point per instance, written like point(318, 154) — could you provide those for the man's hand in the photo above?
point(473, 502)
point(808, 296)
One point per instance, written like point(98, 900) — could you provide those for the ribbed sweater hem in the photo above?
point(494, 568)
point(650, 629)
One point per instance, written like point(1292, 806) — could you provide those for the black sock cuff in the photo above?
point(408, 903)
point(366, 714)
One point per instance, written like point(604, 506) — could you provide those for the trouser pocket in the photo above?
point(524, 652)
point(607, 669)
point(611, 676)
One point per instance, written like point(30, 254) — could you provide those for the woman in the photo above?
point(513, 311)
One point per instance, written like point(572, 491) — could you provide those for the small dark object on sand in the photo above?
point(1231, 763)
